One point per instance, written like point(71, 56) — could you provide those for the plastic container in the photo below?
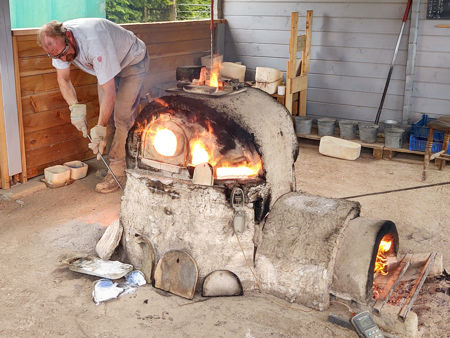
point(420, 129)
point(78, 169)
point(419, 144)
point(393, 137)
point(326, 126)
point(347, 129)
point(368, 132)
point(303, 125)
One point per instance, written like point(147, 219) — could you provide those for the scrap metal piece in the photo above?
point(177, 273)
point(95, 266)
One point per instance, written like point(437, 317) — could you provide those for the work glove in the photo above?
point(78, 117)
point(98, 140)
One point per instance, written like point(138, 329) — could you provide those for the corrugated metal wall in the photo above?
point(352, 47)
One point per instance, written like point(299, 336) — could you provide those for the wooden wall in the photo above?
point(352, 47)
point(49, 138)
point(431, 89)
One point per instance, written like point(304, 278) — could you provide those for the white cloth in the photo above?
point(104, 48)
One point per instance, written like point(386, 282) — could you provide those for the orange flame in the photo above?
point(381, 259)
point(199, 154)
point(214, 76)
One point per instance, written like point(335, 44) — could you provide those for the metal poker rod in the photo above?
point(107, 166)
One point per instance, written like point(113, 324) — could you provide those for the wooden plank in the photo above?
point(409, 302)
point(348, 54)
point(363, 84)
point(335, 96)
point(45, 155)
point(291, 69)
point(54, 135)
point(394, 280)
point(299, 83)
point(81, 156)
point(301, 40)
point(52, 100)
point(55, 117)
point(34, 84)
point(192, 46)
point(246, 21)
point(4, 179)
point(23, 175)
point(349, 111)
point(353, 39)
point(337, 10)
point(173, 35)
point(35, 65)
point(306, 55)
point(27, 48)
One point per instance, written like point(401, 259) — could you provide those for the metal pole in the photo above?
point(107, 166)
point(211, 28)
point(405, 17)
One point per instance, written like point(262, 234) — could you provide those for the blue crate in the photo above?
point(420, 129)
point(420, 144)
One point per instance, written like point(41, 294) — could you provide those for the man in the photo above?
point(119, 60)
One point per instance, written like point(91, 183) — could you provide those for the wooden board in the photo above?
point(4, 178)
point(34, 84)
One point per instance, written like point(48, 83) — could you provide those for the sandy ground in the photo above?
point(41, 297)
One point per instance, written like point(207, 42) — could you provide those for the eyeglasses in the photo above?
point(63, 53)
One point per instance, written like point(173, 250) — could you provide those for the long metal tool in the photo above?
point(405, 17)
point(211, 28)
point(107, 166)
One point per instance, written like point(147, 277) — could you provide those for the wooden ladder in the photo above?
point(297, 71)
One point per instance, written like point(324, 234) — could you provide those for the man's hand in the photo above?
point(98, 142)
point(78, 117)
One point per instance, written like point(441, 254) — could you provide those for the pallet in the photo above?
point(380, 151)
point(377, 147)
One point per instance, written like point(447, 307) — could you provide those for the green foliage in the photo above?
point(125, 11)
point(193, 9)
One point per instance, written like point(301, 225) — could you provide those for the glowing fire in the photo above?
point(165, 142)
point(242, 170)
point(198, 153)
point(381, 260)
point(214, 78)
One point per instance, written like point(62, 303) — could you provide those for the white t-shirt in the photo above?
point(104, 48)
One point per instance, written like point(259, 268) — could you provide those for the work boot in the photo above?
point(109, 184)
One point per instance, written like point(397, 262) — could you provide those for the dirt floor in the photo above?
point(41, 297)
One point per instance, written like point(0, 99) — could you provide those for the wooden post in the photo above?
point(306, 59)
point(23, 175)
point(4, 172)
point(292, 63)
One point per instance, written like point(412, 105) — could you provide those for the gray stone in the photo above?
point(109, 241)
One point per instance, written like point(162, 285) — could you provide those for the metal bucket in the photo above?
point(326, 126)
point(393, 137)
point(303, 125)
point(368, 132)
point(347, 129)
